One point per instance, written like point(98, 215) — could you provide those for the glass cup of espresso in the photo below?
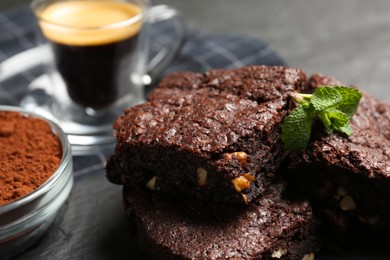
point(98, 65)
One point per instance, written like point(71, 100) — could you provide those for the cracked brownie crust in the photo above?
point(213, 136)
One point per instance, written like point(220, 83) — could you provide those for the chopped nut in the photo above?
point(228, 156)
point(371, 175)
point(241, 183)
point(347, 203)
point(279, 253)
point(245, 198)
point(341, 191)
point(202, 176)
point(241, 157)
point(309, 256)
point(249, 177)
point(151, 184)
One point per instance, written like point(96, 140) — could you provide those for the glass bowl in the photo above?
point(24, 220)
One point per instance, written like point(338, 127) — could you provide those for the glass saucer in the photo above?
point(94, 134)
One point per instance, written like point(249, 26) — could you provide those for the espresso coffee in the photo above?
point(94, 44)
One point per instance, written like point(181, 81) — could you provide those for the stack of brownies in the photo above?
point(199, 162)
point(347, 179)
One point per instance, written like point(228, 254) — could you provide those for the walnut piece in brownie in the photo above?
point(270, 227)
point(349, 177)
point(213, 136)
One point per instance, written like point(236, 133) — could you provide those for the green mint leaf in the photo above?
point(296, 129)
point(323, 116)
point(336, 120)
point(324, 98)
point(333, 106)
point(350, 99)
point(346, 129)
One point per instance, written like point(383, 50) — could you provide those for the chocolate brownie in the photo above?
point(270, 227)
point(213, 136)
point(349, 177)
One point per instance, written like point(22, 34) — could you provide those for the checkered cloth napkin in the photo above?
point(200, 52)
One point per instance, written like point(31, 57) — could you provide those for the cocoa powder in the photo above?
point(29, 154)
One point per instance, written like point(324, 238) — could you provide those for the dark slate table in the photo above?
point(349, 39)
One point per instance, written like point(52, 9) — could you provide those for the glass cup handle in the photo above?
point(166, 55)
point(24, 61)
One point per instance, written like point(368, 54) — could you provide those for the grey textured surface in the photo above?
point(348, 39)
point(11, 3)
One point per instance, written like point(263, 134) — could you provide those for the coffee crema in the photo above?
point(90, 22)
point(94, 45)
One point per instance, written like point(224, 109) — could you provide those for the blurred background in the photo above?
point(348, 39)
point(4, 4)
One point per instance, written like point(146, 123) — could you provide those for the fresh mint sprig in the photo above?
point(333, 106)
